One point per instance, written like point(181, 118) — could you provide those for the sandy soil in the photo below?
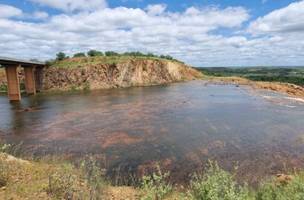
point(287, 88)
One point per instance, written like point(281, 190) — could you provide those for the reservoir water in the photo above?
point(179, 127)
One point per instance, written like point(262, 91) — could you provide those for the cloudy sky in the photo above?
point(199, 32)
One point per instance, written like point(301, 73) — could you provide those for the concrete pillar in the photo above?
point(39, 78)
point(13, 83)
point(30, 86)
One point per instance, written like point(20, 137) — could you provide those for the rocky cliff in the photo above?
point(100, 73)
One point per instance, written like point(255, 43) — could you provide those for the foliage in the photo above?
point(168, 57)
point(93, 53)
point(61, 185)
point(4, 174)
point(78, 55)
point(288, 75)
point(50, 62)
point(156, 186)
point(3, 88)
point(111, 53)
point(12, 149)
point(60, 56)
point(94, 176)
point(273, 190)
point(217, 184)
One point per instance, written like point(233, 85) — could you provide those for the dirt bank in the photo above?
point(102, 73)
point(110, 72)
point(287, 88)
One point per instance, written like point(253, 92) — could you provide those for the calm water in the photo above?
point(179, 127)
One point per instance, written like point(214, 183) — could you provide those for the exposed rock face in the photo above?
point(133, 72)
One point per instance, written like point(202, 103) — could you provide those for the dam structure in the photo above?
point(33, 74)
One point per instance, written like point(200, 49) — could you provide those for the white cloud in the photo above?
point(192, 35)
point(40, 15)
point(73, 5)
point(156, 9)
point(289, 19)
point(7, 11)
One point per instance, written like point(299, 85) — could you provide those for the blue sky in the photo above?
point(199, 32)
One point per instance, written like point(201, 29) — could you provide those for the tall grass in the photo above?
point(156, 186)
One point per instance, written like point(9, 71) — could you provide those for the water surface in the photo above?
point(179, 127)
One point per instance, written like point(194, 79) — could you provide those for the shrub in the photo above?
point(12, 149)
point(111, 53)
point(61, 185)
point(94, 177)
point(3, 88)
point(78, 55)
point(50, 62)
point(168, 57)
point(60, 56)
point(93, 53)
point(217, 184)
point(292, 190)
point(155, 186)
point(4, 174)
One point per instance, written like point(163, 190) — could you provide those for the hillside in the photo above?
point(114, 71)
point(103, 72)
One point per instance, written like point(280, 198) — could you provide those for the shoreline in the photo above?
point(285, 88)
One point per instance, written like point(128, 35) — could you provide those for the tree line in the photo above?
point(94, 53)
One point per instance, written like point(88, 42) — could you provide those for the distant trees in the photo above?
point(60, 56)
point(93, 53)
point(78, 55)
point(111, 53)
point(168, 57)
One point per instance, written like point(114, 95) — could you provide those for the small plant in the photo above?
point(94, 177)
point(217, 184)
point(86, 86)
point(155, 187)
point(61, 185)
point(4, 174)
point(272, 190)
point(12, 149)
point(3, 88)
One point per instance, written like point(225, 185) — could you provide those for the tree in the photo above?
point(168, 57)
point(111, 53)
point(60, 56)
point(93, 53)
point(77, 55)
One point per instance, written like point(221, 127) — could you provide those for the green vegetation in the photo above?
point(79, 55)
point(108, 57)
point(93, 53)
point(217, 184)
point(156, 186)
point(3, 88)
point(287, 75)
point(60, 56)
point(53, 178)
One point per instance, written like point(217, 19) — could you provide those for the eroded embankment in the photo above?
point(95, 73)
point(109, 72)
point(287, 88)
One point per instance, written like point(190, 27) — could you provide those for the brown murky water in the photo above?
point(179, 127)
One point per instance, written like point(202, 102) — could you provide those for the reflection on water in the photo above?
point(179, 126)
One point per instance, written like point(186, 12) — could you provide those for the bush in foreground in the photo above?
point(217, 184)
point(156, 185)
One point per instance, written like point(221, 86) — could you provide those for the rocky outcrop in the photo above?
point(131, 72)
